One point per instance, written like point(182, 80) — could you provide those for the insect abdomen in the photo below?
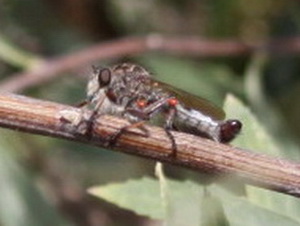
point(195, 122)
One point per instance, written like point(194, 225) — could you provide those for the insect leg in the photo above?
point(82, 104)
point(93, 116)
point(168, 127)
point(85, 123)
point(140, 124)
point(142, 115)
point(145, 114)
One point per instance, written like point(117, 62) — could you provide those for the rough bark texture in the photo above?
point(52, 119)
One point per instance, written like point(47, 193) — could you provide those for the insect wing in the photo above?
point(194, 102)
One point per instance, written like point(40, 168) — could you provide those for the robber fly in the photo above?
point(129, 91)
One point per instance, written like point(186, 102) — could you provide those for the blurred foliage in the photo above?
point(36, 29)
point(190, 203)
point(21, 202)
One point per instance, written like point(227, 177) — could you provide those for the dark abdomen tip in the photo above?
point(229, 129)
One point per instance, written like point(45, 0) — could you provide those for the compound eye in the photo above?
point(104, 77)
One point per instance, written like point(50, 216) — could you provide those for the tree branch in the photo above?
point(52, 119)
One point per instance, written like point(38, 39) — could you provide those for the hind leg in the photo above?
point(140, 124)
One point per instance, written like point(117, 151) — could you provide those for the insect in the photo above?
point(129, 91)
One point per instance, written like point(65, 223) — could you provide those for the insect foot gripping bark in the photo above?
point(129, 91)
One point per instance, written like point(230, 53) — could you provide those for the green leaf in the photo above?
point(254, 137)
point(141, 196)
point(144, 198)
point(239, 211)
point(188, 204)
point(179, 208)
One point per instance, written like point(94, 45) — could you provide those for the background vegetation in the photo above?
point(43, 180)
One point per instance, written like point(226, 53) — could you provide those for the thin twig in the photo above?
point(131, 46)
point(52, 119)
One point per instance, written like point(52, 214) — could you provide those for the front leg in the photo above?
point(93, 116)
point(83, 123)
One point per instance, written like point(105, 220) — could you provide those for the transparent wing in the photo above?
point(195, 102)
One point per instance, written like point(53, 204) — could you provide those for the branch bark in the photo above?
point(53, 119)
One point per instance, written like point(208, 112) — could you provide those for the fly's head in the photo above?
point(98, 82)
point(121, 83)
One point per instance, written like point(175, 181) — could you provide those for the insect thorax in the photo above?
point(131, 83)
